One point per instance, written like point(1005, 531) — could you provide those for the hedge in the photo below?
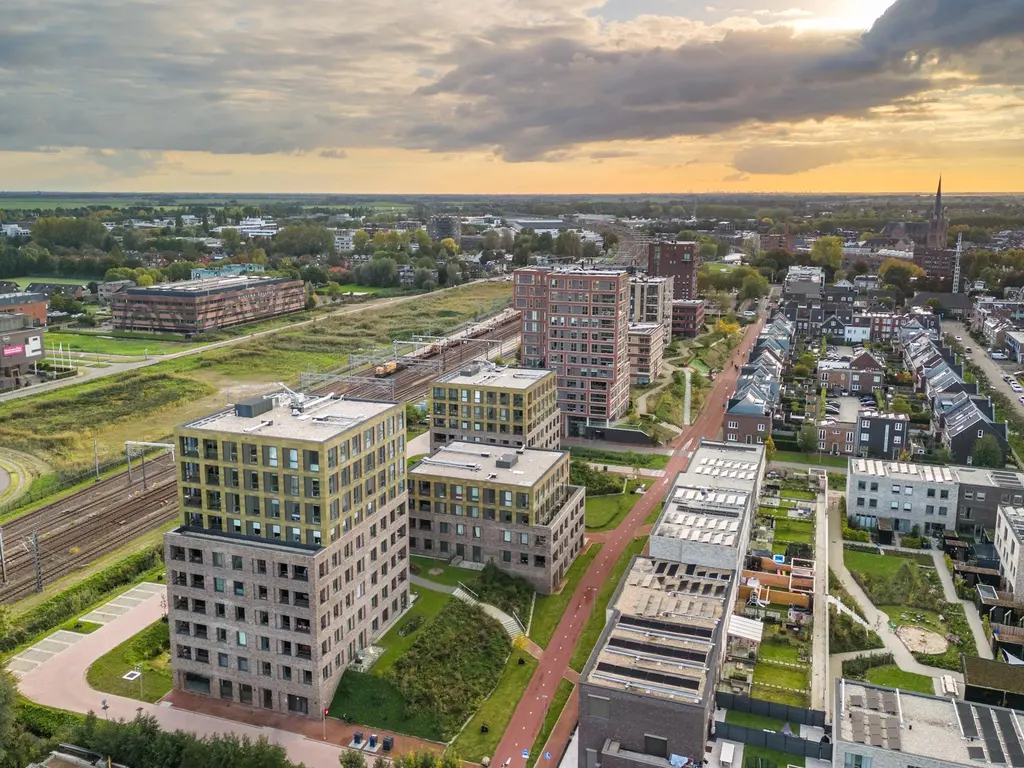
point(45, 722)
point(70, 603)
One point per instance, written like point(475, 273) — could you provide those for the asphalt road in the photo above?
point(993, 369)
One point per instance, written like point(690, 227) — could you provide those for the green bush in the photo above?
point(73, 601)
point(507, 593)
point(846, 635)
point(857, 667)
point(596, 482)
point(45, 722)
point(906, 586)
point(957, 629)
point(453, 665)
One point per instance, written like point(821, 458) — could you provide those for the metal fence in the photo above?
point(780, 742)
point(61, 482)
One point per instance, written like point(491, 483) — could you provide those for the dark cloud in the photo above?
point(334, 154)
point(787, 159)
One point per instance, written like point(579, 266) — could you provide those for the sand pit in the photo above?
point(922, 640)
point(435, 571)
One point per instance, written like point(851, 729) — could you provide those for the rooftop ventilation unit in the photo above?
point(506, 461)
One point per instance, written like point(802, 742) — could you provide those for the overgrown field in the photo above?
point(60, 426)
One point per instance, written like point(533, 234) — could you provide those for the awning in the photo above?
point(748, 629)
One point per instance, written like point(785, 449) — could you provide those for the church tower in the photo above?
point(938, 228)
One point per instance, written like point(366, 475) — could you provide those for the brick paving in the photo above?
point(529, 716)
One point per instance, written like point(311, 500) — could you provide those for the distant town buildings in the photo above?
point(442, 227)
point(30, 304)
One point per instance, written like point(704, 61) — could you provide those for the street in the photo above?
point(992, 368)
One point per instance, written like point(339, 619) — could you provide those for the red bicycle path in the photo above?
point(528, 718)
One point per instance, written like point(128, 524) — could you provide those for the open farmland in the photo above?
point(60, 426)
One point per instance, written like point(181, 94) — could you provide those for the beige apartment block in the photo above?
point(485, 403)
point(646, 350)
point(515, 509)
point(292, 554)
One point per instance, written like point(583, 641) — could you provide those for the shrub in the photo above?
point(71, 602)
point(508, 593)
point(597, 483)
point(858, 666)
point(845, 635)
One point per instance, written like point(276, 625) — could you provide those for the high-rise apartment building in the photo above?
point(678, 260)
point(515, 509)
point(646, 349)
point(650, 301)
point(575, 322)
point(292, 556)
point(485, 403)
point(441, 227)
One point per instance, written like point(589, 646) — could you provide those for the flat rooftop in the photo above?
point(645, 329)
point(666, 624)
point(903, 471)
point(472, 461)
point(490, 375)
point(724, 465)
point(322, 418)
point(1014, 518)
point(703, 515)
point(207, 284)
point(21, 297)
point(948, 730)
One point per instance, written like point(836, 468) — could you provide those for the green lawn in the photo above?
point(548, 609)
point(378, 703)
point(758, 722)
point(562, 694)
point(883, 566)
point(148, 648)
point(893, 677)
point(24, 281)
point(779, 652)
point(655, 514)
point(350, 287)
point(595, 624)
point(770, 674)
point(450, 575)
point(426, 607)
point(780, 697)
point(917, 617)
point(412, 461)
point(81, 627)
point(795, 531)
point(624, 459)
point(107, 345)
point(812, 459)
point(496, 711)
point(789, 494)
point(604, 513)
point(781, 759)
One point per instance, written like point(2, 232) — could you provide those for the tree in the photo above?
point(304, 239)
point(230, 240)
point(360, 238)
point(449, 245)
point(807, 438)
point(754, 287)
point(590, 250)
point(609, 239)
point(352, 758)
point(769, 450)
point(568, 243)
point(987, 452)
point(900, 405)
point(898, 273)
point(827, 252)
point(491, 240)
point(145, 281)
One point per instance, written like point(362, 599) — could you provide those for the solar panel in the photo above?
point(659, 650)
point(665, 626)
point(988, 730)
point(976, 753)
point(1010, 738)
point(966, 716)
point(647, 676)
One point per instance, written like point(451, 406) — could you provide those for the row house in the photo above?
point(754, 404)
point(986, 307)
point(971, 419)
point(863, 372)
point(994, 330)
point(856, 331)
point(882, 435)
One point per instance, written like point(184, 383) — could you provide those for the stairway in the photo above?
point(841, 607)
point(510, 625)
point(465, 597)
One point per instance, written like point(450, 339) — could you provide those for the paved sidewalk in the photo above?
point(529, 715)
point(970, 609)
point(819, 664)
point(878, 620)
point(60, 682)
point(619, 469)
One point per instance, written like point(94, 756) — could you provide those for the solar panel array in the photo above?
point(1010, 737)
point(980, 723)
point(649, 676)
point(655, 649)
point(874, 721)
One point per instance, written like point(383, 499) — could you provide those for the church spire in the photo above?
point(938, 199)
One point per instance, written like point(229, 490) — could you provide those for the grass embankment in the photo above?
point(401, 637)
point(149, 649)
point(100, 344)
point(548, 610)
point(60, 426)
point(496, 712)
point(812, 459)
point(558, 702)
point(892, 676)
point(604, 513)
point(621, 458)
point(595, 624)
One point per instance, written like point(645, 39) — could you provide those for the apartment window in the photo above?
point(598, 706)
point(896, 489)
point(241, 639)
point(856, 761)
point(860, 501)
point(861, 485)
point(929, 509)
point(908, 490)
point(943, 494)
point(734, 425)
point(931, 493)
point(656, 746)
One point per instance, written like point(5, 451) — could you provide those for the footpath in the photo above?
point(529, 715)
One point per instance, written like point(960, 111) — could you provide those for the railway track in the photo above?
point(95, 521)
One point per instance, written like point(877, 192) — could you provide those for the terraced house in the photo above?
point(291, 556)
point(515, 509)
point(485, 403)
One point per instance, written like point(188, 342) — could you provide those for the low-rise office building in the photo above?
point(907, 495)
point(515, 509)
point(646, 348)
point(485, 403)
point(32, 305)
point(21, 348)
point(292, 555)
point(198, 306)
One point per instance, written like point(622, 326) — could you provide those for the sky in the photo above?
point(512, 96)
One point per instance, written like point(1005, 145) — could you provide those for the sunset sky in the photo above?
point(512, 96)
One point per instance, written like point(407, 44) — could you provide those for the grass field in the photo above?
point(595, 624)
point(884, 566)
point(893, 677)
point(915, 617)
point(426, 607)
point(757, 722)
point(771, 756)
point(620, 458)
point(381, 705)
point(548, 610)
point(497, 710)
point(779, 652)
point(798, 495)
point(604, 513)
point(81, 627)
point(352, 288)
point(795, 531)
point(791, 698)
point(770, 674)
point(450, 575)
point(558, 702)
point(812, 459)
point(24, 281)
point(148, 648)
point(106, 345)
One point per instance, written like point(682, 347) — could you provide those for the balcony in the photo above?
point(302, 626)
point(301, 602)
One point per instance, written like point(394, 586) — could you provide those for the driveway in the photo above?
point(992, 368)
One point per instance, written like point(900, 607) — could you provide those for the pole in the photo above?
point(138, 668)
point(143, 470)
point(3, 560)
point(128, 453)
point(38, 563)
point(96, 456)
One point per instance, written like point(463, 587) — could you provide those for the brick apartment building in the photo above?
point(936, 262)
point(861, 373)
point(575, 322)
point(292, 556)
point(515, 509)
point(678, 260)
point(646, 349)
point(23, 303)
point(687, 318)
point(198, 306)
